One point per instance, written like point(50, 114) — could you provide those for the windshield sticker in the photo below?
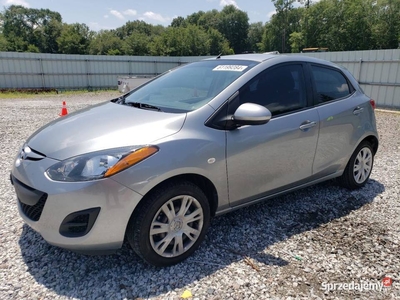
point(235, 68)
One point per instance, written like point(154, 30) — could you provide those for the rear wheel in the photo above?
point(170, 224)
point(359, 167)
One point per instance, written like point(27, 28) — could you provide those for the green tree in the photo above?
point(337, 24)
point(210, 19)
point(178, 22)
point(386, 28)
point(181, 41)
point(194, 18)
point(106, 42)
point(296, 40)
point(3, 40)
point(3, 43)
point(234, 25)
point(75, 39)
point(27, 27)
point(139, 38)
point(341, 25)
point(137, 44)
point(50, 34)
point(136, 26)
point(218, 43)
point(33, 49)
point(324, 25)
point(198, 40)
point(282, 24)
point(271, 39)
point(356, 30)
point(281, 18)
point(254, 36)
point(157, 30)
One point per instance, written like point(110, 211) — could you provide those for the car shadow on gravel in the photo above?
point(238, 241)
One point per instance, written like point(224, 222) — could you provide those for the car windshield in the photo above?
point(189, 87)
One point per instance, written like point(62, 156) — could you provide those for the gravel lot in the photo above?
point(290, 247)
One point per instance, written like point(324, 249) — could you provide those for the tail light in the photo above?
point(372, 101)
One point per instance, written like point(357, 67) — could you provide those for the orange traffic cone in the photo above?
point(64, 110)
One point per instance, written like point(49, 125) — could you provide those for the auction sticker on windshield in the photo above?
point(236, 68)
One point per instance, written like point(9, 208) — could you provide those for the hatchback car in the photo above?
point(155, 164)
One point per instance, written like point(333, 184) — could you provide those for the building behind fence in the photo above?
point(376, 70)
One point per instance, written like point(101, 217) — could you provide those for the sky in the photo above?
point(110, 14)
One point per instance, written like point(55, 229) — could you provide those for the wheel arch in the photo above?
point(201, 181)
point(373, 141)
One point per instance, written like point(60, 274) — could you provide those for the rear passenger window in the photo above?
point(330, 84)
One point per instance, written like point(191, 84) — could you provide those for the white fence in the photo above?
point(376, 70)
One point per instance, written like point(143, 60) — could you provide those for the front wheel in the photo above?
point(170, 224)
point(359, 167)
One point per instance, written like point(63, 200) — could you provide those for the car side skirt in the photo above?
point(281, 192)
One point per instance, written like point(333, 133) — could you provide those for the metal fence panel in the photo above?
point(21, 80)
point(32, 70)
point(376, 70)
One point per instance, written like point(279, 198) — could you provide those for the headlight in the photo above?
point(98, 164)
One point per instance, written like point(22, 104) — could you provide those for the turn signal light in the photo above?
point(131, 159)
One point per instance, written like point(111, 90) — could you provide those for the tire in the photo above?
point(359, 167)
point(170, 223)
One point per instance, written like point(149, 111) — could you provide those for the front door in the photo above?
point(262, 159)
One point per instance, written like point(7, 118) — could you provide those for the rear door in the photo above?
point(263, 159)
point(341, 111)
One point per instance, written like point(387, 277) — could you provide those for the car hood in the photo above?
point(103, 126)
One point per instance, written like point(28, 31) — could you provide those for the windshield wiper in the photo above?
point(119, 100)
point(142, 105)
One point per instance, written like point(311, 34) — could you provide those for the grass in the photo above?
point(20, 93)
point(77, 92)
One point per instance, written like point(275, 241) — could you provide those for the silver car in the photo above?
point(155, 164)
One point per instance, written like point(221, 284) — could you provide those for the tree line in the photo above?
point(340, 25)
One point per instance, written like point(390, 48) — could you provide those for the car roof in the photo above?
point(258, 57)
point(261, 57)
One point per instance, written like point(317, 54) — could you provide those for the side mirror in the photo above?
point(251, 114)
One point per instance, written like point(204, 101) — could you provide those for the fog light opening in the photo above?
point(79, 223)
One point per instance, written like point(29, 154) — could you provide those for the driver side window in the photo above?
point(280, 89)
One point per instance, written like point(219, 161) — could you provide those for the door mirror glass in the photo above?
point(251, 114)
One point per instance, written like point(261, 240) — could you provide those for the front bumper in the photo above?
point(80, 216)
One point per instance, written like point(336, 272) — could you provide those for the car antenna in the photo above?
point(219, 56)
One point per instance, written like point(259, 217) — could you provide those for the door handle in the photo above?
point(307, 124)
point(358, 110)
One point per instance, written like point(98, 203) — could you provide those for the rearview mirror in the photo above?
point(251, 114)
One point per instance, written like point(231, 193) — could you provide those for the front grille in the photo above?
point(34, 212)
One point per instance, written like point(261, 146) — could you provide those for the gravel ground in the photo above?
point(290, 247)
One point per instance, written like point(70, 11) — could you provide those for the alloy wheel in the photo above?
point(362, 165)
point(176, 226)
